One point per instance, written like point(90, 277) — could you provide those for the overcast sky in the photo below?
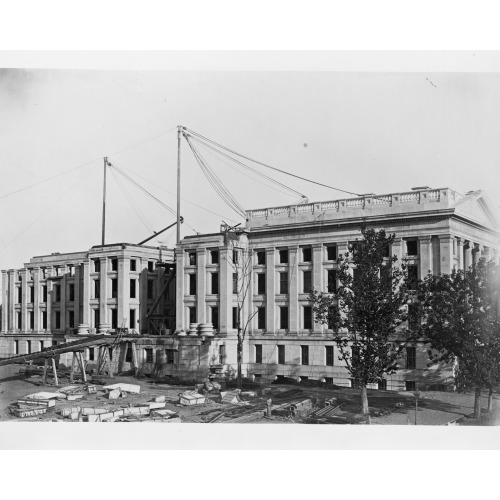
point(362, 132)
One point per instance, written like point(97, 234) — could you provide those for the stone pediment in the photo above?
point(478, 208)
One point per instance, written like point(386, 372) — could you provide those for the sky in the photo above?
point(364, 132)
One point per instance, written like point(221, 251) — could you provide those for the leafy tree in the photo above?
point(369, 311)
point(461, 323)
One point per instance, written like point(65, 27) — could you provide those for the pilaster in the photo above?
point(397, 250)
point(425, 252)
point(317, 276)
point(64, 291)
point(85, 319)
point(50, 298)
point(201, 285)
point(5, 302)
point(36, 300)
point(225, 290)
point(103, 292)
point(24, 305)
point(11, 308)
point(293, 292)
point(270, 290)
point(460, 253)
point(179, 289)
point(445, 254)
point(477, 253)
point(77, 302)
point(123, 290)
point(469, 246)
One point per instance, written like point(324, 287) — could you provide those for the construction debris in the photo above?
point(45, 395)
point(27, 412)
point(132, 388)
point(29, 403)
point(189, 398)
point(231, 397)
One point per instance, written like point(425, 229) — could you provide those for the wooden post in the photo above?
point(134, 358)
point(56, 381)
point(110, 369)
point(82, 366)
point(45, 370)
point(72, 372)
point(101, 359)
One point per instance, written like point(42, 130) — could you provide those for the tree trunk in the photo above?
point(365, 410)
point(239, 356)
point(477, 403)
point(490, 399)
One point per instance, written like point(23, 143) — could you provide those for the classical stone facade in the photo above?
point(285, 251)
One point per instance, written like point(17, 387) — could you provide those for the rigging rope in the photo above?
point(192, 132)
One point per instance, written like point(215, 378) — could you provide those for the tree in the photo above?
point(368, 311)
point(461, 323)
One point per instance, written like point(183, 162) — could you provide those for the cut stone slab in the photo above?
point(66, 412)
point(160, 399)
point(93, 411)
point(163, 413)
point(23, 403)
point(45, 395)
point(114, 394)
point(74, 397)
point(189, 398)
point(135, 389)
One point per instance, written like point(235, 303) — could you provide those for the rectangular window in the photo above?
point(97, 318)
point(411, 358)
point(91, 354)
point(71, 319)
point(261, 283)
point(332, 281)
point(71, 292)
point(410, 385)
point(413, 317)
point(114, 319)
point(19, 295)
point(192, 314)
point(235, 256)
point(31, 294)
point(170, 356)
point(215, 283)
point(71, 269)
point(149, 354)
point(304, 354)
point(412, 277)
point(284, 318)
point(151, 266)
point(214, 256)
point(44, 320)
point(42, 345)
point(281, 355)
point(192, 284)
point(31, 320)
point(58, 320)
point(258, 353)
point(308, 322)
point(215, 317)
point(192, 258)
point(133, 289)
point(151, 288)
point(128, 356)
point(114, 264)
point(97, 266)
point(97, 289)
point(114, 288)
point(57, 293)
point(222, 354)
point(307, 254)
point(261, 258)
point(16, 346)
point(261, 318)
point(132, 320)
point(283, 256)
point(387, 250)
point(18, 314)
point(283, 282)
point(329, 380)
point(331, 253)
point(235, 283)
point(28, 346)
point(133, 264)
point(235, 317)
point(412, 247)
point(307, 281)
point(44, 293)
point(382, 385)
point(329, 355)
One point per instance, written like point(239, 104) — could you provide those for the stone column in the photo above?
point(50, 298)
point(5, 302)
point(293, 292)
point(36, 299)
point(123, 299)
point(425, 252)
point(317, 276)
point(477, 253)
point(201, 285)
point(103, 296)
point(445, 253)
point(270, 291)
point(460, 253)
point(226, 271)
point(468, 255)
point(64, 291)
point(180, 281)
point(12, 299)
point(77, 303)
point(397, 249)
point(85, 271)
point(487, 253)
point(24, 305)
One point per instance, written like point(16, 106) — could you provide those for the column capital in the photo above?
point(270, 250)
point(398, 240)
point(425, 239)
point(201, 250)
point(445, 237)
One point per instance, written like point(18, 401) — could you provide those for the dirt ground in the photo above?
point(386, 407)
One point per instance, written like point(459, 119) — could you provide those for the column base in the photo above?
point(83, 329)
point(104, 328)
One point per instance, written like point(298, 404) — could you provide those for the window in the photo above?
point(412, 247)
point(410, 385)
point(261, 258)
point(128, 356)
point(149, 354)
point(382, 385)
point(192, 314)
point(31, 294)
point(235, 257)
point(235, 317)
point(331, 281)
point(44, 293)
point(307, 254)
point(31, 320)
point(132, 320)
point(97, 266)
point(387, 250)
point(192, 258)
point(91, 354)
point(413, 317)
point(170, 356)
point(54, 343)
point(151, 266)
point(258, 353)
point(331, 253)
point(97, 318)
point(114, 288)
point(412, 277)
point(283, 282)
point(192, 284)
point(28, 346)
point(215, 317)
point(58, 320)
point(133, 264)
point(97, 289)
point(151, 288)
point(71, 292)
point(281, 354)
point(71, 269)
point(19, 295)
point(329, 355)
point(304, 354)
point(261, 283)
point(44, 320)
point(329, 380)
point(215, 283)
point(114, 319)
point(411, 358)
point(114, 264)
point(214, 256)
point(42, 345)
point(235, 283)
point(222, 354)
point(308, 322)
point(261, 318)
point(283, 256)
point(133, 289)
point(16, 346)
point(18, 314)
point(307, 281)
point(71, 319)
point(284, 318)
point(57, 293)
